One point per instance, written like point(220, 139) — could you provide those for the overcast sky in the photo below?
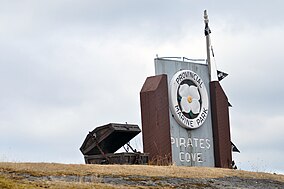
point(69, 66)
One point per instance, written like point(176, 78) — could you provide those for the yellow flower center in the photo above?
point(189, 99)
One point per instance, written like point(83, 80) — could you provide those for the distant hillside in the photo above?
point(61, 176)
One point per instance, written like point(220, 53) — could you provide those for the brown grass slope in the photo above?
point(53, 175)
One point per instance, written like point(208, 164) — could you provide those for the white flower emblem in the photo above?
point(189, 99)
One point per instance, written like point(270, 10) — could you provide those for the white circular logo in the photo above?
point(188, 99)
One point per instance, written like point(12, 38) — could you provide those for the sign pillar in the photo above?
point(184, 110)
point(189, 112)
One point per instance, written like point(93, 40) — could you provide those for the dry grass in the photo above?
point(41, 169)
point(54, 169)
point(12, 183)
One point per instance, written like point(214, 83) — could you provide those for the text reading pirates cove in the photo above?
point(186, 145)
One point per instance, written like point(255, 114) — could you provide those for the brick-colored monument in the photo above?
point(184, 111)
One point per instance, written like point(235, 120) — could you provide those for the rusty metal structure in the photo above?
point(185, 112)
point(221, 126)
point(160, 129)
point(155, 120)
point(100, 145)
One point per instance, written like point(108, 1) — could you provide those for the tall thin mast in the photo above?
point(212, 68)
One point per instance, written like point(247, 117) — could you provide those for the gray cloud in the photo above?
point(66, 68)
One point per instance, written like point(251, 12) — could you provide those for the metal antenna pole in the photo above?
point(212, 69)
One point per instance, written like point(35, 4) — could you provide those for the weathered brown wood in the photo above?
point(117, 158)
point(109, 138)
point(221, 126)
point(154, 102)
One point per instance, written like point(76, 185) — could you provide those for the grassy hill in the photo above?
point(53, 175)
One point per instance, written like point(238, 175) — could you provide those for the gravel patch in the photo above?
point(160, 182)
